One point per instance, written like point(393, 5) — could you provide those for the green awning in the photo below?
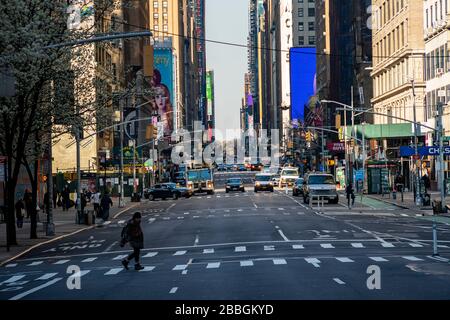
point(377, 131)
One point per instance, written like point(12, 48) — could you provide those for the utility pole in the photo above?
point(416, 151)
point(440, 138)
point(134, 168)
point(78, 141)
point(353, 138)
point(121, 204)
point(345, 144)
point(50, 230)
point(363, 156)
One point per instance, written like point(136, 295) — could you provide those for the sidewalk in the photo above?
point(65, 225)
point(408, 201)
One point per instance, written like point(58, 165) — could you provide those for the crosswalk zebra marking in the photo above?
point(344, 259)
point(150, 254)
point(357, 245)
point(208, 251)
point(247, 263)
point(279, 261)
point(120, 257)
point(89, 259)
point(113, 271)
point(180, 267)
point(61, 261)
point(180, 253)
point(147, 269)
point(47, 276)
point(314, 261)
point(269, 248)
point(35, 263)
point(378, 259)
point(327, 245)
point(240, 249)
point(387, 245)
point(412, 258)
point(415, 245)
point(213, 265)
point(298, 246)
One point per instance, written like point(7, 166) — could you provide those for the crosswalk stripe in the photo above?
point(240, 249)
point(173, 290)
point(213, 265)
point(387, 245)
point(120, 257)
point(61, 261)
point(208, 251)
point(147, 269)
point(357, 245)
point(180, 267)
point(89, 259)
point(415, 245)
point(47, 276)
point(279, 261)
point(339, 281)
point(412, 258)
point(378, 259)
point(11, 265)
point(81, 273)
point(180, 253)
point(326, 245)
point(35, 263)
point(314, 261)
point(345, 259)
point(298, 246)
point(13, 279)
point(150, 254)
point(113, 271)
point(269, 248)
point(404, 215)
point(247, 263)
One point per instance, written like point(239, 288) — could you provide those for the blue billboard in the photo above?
point(302, 74)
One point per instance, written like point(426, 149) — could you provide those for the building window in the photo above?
point(301, 26)
point(311, 12)
point(300, 12)
point(311, 40)
point(311, 26)
point(155, 4)
point(301, 41)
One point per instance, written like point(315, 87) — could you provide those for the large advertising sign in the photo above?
point(286, 44)
point(303, 72)
point(209, 92)
point(162, 83)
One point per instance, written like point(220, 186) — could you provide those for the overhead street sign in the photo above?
point(406, 151)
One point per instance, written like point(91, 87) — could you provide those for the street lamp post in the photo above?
point(418, 199)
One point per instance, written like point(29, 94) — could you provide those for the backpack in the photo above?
point(124, 234)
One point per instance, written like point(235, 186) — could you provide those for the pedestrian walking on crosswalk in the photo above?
point(133, 234)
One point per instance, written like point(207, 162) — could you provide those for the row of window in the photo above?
point(311, 12)
point(391, 43)
point(387, 11)
point(311, 26)
point(309, 1)
point(437, 62)
point(436, 12)
point(156, 4)
point(433, 98)
point(311, 40)
point(392, 78)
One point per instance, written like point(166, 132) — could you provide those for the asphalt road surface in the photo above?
point(243, 246)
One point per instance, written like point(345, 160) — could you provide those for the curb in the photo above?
point(59, 238)
point(42, 243)
point(395, 204)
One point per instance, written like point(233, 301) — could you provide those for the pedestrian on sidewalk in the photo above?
point(95, 198)
point(133, 234)
point(55, 197)
point(105, 204)
point(27, 199)
point(46, 203)
point(20, 210)
point(350, 195)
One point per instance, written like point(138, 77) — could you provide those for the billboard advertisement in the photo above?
point(303, 73)
point(286, 44)
point(162, 83)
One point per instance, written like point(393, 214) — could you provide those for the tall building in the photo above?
point(303, 23)
point(210, 101)
point(252, 57)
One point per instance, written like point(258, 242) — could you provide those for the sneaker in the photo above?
point(138, 267)
point(125, 264)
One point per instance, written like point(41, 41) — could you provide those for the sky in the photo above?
point(227, 21)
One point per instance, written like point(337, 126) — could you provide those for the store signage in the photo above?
point(336, 147)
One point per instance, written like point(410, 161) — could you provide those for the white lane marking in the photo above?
point(11, 265)
point(255, 205)
point(170, 207)
point(439, 258)
point(298, 246)
point(208, 197)
point(213, 265)
point(89, 259)
point(326, 231)
point(47, 276)
point(239, 210)
point(184, 272)
point(403, 215)
point(121, 221)
point(113, 271)
point(173, 290)
point(166, 218)
point(13, 279)
point(186, 213)
point(106, 223)
point(279, 261)
point(180, 253)
point(120, 257)
point(180, 218)
point(269, 248)
point(151, 220)
point(327, 245)
point(227, 215)
point(378, 259)
point(180, 267)
point(314, 261)
point(415, 245)
point(345, 231)
point(240, 249)
point(282, 235)
point(35, 263)
point(208, 250)
point(195, 217)
point(24, 294)
point(147, 269)
point(387, 245)
point(61, 261)
point(150, 254)
point(412, 258)
point(196, 240)
point(418, 215)
point(247, 263)
point(442, 246)
point(82, 273)
point(227, 210)
point(339, 281)
point(357, 245)
point(281, 209)
point(344, 259)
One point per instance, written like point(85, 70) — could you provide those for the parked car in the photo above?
point(183, 191)
point(297, 190)
point(320, 184)
point(166, 190)
point(234, 184)
point(263, 181)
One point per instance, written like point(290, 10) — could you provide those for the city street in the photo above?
point(244, 246)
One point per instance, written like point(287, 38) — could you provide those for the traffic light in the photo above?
point(308, 136)
point(151, 132)
point(338, 121)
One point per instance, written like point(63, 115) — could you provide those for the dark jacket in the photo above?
point(134, 234)
point(106, 202)
point(349, 191)
point(19, 206)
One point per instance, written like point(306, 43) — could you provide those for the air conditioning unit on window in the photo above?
point(439, 71)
